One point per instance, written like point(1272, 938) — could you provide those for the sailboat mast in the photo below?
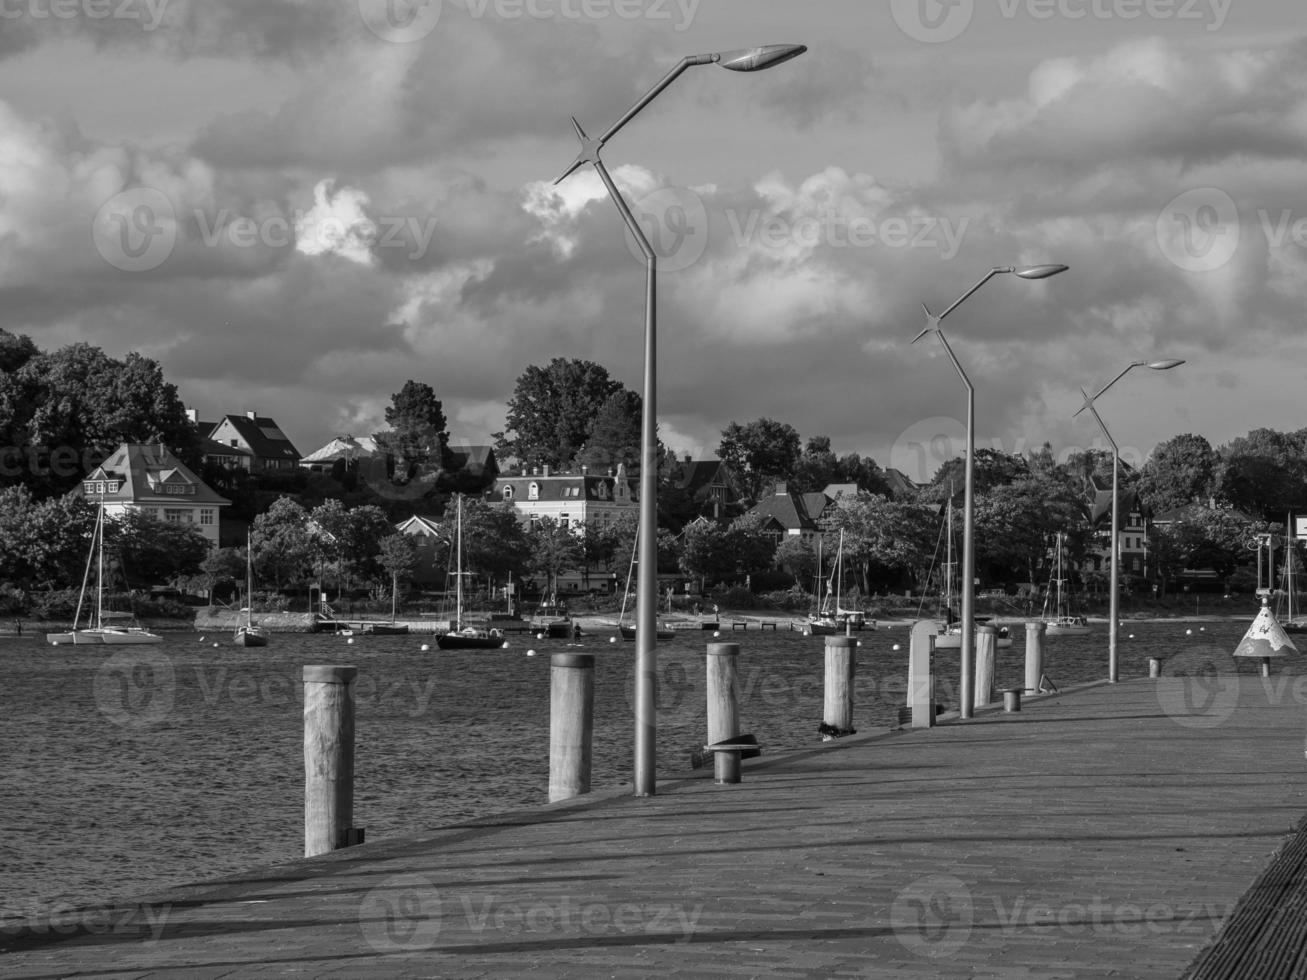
point(458, 566)
point(99, 570)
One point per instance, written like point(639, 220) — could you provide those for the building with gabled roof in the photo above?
point(575, 499)
point(250, 441)
point(429, 541)
point(709, 486)
point(150, 478)
point(785, 514)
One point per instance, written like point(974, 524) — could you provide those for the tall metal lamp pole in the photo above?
point(646, 663)
point(968, 508)
point(1113, 617)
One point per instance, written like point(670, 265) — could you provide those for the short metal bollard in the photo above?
point(1154, 667)
point(727, 755)
point(1012, 699)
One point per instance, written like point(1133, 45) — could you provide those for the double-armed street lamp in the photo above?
point(646, 665)
point(1160, 365)
point(968, 552)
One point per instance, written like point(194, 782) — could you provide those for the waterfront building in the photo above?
point(151, 479)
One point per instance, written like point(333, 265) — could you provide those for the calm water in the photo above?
point(133, 768)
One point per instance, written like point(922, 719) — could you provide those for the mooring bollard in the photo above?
point(1154, 667)
point(1034, 655)
point(985, 639)
point(1012, 699)
point(571, 723)
point(921, 683)
point(837, 714)
point(329, 759)
point(723, 690)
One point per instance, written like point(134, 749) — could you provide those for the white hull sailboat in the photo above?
point(99, 633)
point(1061, 622)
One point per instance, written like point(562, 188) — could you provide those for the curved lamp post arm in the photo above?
point(998, 270)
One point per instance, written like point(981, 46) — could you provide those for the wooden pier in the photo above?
point(1106, 831)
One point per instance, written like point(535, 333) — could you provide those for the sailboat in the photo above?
point(462, 637)
point(824, 621)
point(99, 633)
point(1290, 625)
point(950, 627)
point(628, 632)
point(1061, 622)
point(247, 633)
point(552, 618)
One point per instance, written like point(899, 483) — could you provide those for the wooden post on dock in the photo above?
point(328, 758)
point(571, 724)
point(837, 716)
point(1034, 655)
point(986, 637)
point(921, 682)
point(723, 688)
point(1154, 667)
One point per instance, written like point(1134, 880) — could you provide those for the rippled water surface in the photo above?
point(133, 768)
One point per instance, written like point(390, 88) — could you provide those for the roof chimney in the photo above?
point(252, 415)
point(193, 416)
point(546, 470)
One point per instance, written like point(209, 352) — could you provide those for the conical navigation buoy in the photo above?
point(1265, 639)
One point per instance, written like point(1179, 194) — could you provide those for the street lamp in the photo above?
point(968, 552)
point(1160, 365)
point(646, 662)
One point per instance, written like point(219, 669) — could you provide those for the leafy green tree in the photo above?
point(884, 539)
point(554, 549)
point(760, 452)
point(43, 544)
point(992, 469)
point(152, 552)
point(418, 434)
point(287, 550)
point(495, 542)
point(78, 403)
point(552, 411)
point(706, 553)
point(615, 434)
point(15, 351)
point(817, 466)
point(222, 569)
point(1265, 472)
point(796, 556)
point(397, 558)
point(1181, 471)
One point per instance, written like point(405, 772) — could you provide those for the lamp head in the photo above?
point(1038, 271)
point(1163, 365)
point(756, 59)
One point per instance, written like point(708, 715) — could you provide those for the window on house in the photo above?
point(175, 515)
point(508, 493)
point(206, 516)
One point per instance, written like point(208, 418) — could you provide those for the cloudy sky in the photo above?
point(298, 205)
